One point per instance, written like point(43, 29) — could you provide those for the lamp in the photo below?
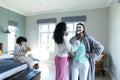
point(7, 31)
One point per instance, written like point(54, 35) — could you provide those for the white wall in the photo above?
point(96, 25)
point(114, 41)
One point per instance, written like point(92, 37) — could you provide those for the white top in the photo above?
point(19, 51)
point(75, 45)
point(63, 49)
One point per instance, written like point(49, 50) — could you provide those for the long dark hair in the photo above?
point(59, 32)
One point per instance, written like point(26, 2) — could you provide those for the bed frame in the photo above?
point(36, 66)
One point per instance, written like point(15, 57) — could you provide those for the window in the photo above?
point(71, 23)
point(72, 28)
point(12, 37)
point(46, 41)
point(46, 34)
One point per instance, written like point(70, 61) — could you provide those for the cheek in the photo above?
point(81, 30)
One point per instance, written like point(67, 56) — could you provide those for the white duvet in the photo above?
point(14, 70)
point(4, 56)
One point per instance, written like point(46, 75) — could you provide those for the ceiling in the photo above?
point(35, 7)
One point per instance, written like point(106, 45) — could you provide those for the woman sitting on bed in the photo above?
point(21, 50)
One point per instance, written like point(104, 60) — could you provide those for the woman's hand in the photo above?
point(28, 49)
point(88, 55)
point(65, 33)
point(72, 54)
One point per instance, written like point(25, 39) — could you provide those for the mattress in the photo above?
point(9, 67)
point(4, 56)
point(13, 71)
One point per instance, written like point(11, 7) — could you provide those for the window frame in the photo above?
point(48, 35)
point(15, 31)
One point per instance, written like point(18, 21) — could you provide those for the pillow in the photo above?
point(6, 56)
point(1, 53)
point(99, 57)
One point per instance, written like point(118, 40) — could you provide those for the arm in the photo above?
point(68, 46)
point(75, 45)
point(96, 48)
point(27, 49)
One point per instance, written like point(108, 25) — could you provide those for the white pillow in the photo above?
point(99, 57)
point(4, 56)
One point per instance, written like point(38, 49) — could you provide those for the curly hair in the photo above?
point(59, 32)
point(21, 39)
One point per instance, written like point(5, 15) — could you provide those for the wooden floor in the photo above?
point(48, 73)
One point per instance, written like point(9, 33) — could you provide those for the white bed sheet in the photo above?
point(14, 71)
point(4, 56)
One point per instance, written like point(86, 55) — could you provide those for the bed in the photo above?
point(10, 67)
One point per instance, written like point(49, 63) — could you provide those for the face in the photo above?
point(23, 43)
point(79, 29)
